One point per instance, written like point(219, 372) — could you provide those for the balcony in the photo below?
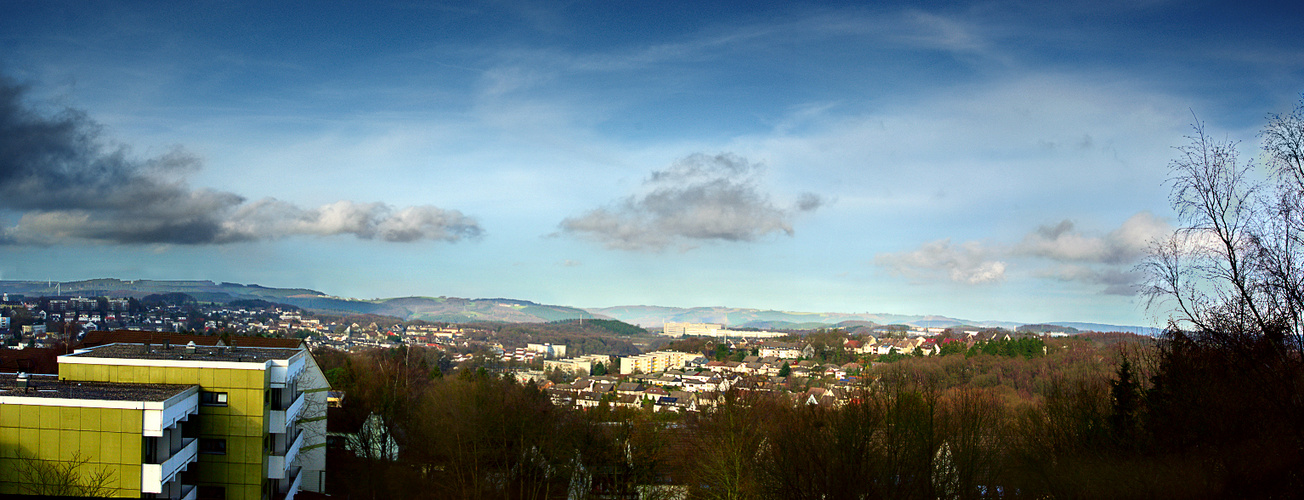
point(291, 487)
point(277, 465)
point(279, 420)
point(154, 476)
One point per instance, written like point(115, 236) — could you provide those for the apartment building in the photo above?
point(164, 421)
point(118, 430)
point(581, 366)
point(312, 458)
point(674, 329)
point(655, 362)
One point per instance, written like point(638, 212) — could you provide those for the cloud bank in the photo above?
point(1057, 252)
point(699, 198)
point(66, 185)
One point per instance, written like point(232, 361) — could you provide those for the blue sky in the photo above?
point(984, 160)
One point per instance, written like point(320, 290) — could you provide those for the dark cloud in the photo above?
point(1115, 281)
point(66, 184)
point(698, 198)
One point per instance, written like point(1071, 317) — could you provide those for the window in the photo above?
point(212, 398)
point(212, 446)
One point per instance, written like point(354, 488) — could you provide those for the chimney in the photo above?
point(190, 347)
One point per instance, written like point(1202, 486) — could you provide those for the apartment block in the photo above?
point(582, 365)
point(674, 329)
point(655, 362)
point(165, 421)
point(131, 436)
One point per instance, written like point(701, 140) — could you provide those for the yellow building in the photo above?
point(206, 422)
point(655, 362)
point(108, 427)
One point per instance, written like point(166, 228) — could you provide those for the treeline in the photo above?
point(1076, 424)
point(615, 327)
point(589, 337)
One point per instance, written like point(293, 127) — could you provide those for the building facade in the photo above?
point(185, 422)
point(673, 329)
point(655, 362)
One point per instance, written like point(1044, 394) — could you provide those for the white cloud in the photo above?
point(699, 198)
point(1104, 261)
point(969, 263)
point(1121, 246)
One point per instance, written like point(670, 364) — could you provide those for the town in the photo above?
point(684, 367)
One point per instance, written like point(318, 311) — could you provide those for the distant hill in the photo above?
point(1100, 327)
point(201, 290)
point(657, 316)
point(440, 309)
point(444, 309)
point(782, 325)
point(460, 310)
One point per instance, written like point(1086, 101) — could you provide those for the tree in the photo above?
point(785, 370)
point(598, 370)
point(1233, 278)
point(63, 477)
point(723, 449)
point(1125, 395)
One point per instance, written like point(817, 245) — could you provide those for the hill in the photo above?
point(461, 310)
point(657, 316)
point(437, 309)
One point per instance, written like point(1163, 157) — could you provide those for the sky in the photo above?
point(981, 160)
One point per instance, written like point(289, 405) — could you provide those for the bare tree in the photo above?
point(1236, 263)
point(63, 477)
point(1208, 263)
point(1230, 376)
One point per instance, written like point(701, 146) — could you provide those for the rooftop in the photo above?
point(181, 352)
point(98, 338)
point(46, 386)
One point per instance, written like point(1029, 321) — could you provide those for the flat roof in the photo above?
point(181, 352)
point(98, 337)
point(47, 386)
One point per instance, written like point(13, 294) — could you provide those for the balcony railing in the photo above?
point(281, 419)
point(288, 492)
point(189, 492)
point(277, 464)
point(154, 476)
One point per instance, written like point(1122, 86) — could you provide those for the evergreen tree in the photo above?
point(1125, 396)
